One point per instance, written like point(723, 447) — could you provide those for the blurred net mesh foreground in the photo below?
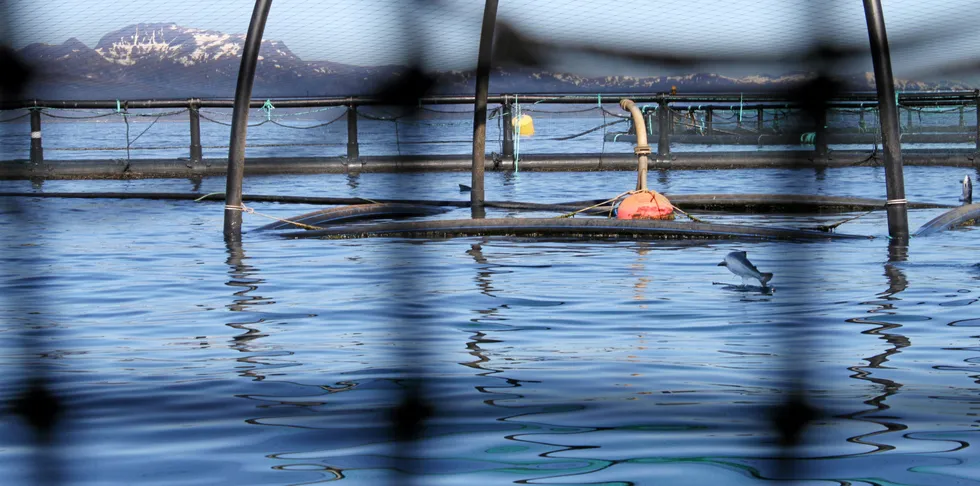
point(572, 132)
point(793, 413)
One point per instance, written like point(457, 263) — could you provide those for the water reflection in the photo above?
point(886, 331)
point(196, 182)
point(516, 413)
point(353, 179)
point(640, 272)
point(819, 173)
point(34, 403)
point(484, 282)
point(245, 277)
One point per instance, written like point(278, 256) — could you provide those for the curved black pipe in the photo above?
point(951, 219)
point(480, 103)
point(713, 202)
point(595, 228)
point(354, 213)
point(239, 120)
point(898, 220)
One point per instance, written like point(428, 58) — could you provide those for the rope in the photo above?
point(610, 200)
point(598, 103)
point(16, 118)
point(141, 133)
point(585, 110)
point(245, 209)
point(342, 115)
point(45, 113)
point(740, 105)
point(617, 115)
point(176, 147)
point(695, 219)
point(515, 127)
point(398, 140)
point(433, 110)
point(111, 113)
point(379, 118)
point(830, 227)
point(126, 120)
point(577, 135)
point(263, 122)
point(208, 195)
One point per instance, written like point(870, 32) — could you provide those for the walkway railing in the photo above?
point(665, 112)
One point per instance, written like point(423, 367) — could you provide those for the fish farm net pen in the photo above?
point(538, 349)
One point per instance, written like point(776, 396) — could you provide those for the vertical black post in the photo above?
point(897, 206)
point(708, 121)
point(508, 128)
point(759, 120)
point(977, 102)
point(962, 118)
point(821, 151)
point(239, 120)
point(353, 149)
point(195, 119)
point(37, 151)
point(663, 124)
point(477, 195)
point(908, 116)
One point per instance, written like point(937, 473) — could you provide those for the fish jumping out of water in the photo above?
point(967, 190)
point(740, 265)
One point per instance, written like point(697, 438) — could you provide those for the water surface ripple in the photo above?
point(184, 360)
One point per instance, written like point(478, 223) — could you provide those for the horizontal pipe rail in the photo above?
point(733, 100)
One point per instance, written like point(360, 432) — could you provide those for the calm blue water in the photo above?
point(185, 361)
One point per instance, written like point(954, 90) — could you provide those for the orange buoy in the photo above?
point(645, 205)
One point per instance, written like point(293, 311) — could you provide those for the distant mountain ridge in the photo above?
point(165, 60)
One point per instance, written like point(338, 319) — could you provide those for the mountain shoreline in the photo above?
point(165, 60)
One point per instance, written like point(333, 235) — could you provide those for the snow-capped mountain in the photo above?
point(164, 60)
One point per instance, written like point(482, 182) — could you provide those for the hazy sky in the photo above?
point(370, 32)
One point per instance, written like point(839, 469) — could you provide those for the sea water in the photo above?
point(181, 359)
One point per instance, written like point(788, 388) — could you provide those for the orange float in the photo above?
point(645, 205)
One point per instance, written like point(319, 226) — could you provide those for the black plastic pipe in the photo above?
point(978, 119)
point(37, 150)
point(753, 203)
point(601, 228)
point(357, 212)
point(353, 149)
point(477, 194)
point(898, 220)
point(508, 127)
point(663, 125)
point(848, 100)
point(239, 120)
point(963, 215)
point(196, 154)
point(820, 143)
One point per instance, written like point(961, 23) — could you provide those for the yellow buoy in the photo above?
point(524, 125)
